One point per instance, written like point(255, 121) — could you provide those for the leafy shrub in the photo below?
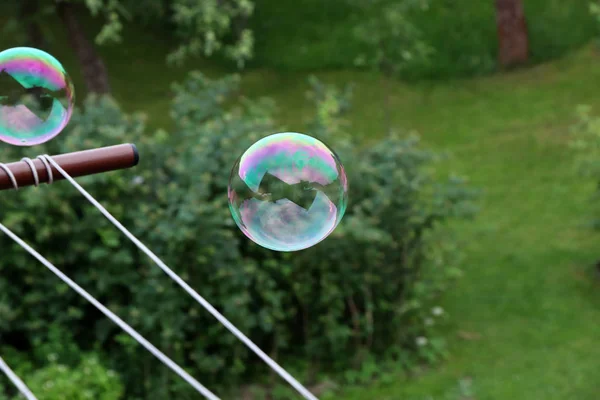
point(57, 369)
point(366, 291)
point(88, 380)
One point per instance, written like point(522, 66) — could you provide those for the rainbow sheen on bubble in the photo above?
point(288, 192)
point(36, 97)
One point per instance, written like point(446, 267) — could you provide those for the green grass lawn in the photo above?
point(528, 295)
point(528, 291)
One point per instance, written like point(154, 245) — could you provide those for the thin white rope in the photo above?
point(203, 302)
point(11, 176)
point(139, 338)
point(48, 169)
point(16, 380)
point(36, 178)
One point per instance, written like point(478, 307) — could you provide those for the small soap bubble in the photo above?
point(36, 97)
point(288, 192)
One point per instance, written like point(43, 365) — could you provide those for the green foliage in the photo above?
point(394, 42)
point(203, 27)
point(88, 380)
point(57, 369)
point(113, 12)
point(463, 33)
point(587, 145)
point(206, 24)
point(595, 10)
point(312, 34)
point(367, 290)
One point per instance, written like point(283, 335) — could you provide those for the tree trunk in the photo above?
point(28, 15)
point(92, 66)
point(512, 33)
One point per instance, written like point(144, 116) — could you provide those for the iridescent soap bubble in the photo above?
point(288, 192)
point(36, 97)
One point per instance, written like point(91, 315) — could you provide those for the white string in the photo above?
point(16, 380)
point(11, 176)
point(36, 179)
point(203, 302)
point(48, 169)
point(139, 338)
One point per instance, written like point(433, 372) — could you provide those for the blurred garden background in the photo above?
point(466, 267)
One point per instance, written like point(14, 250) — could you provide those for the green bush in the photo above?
point(313, 34)
point(57, 369)
point(88, 380)
point(366, 291)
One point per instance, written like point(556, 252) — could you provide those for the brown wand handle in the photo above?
point(76, 164)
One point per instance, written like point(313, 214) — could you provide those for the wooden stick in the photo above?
point(76, 164)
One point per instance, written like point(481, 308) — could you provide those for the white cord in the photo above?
point(139, 338)
point(36, 178)
point(11, 176)
point(203, 302)
point(16, 380)
point(48, 169)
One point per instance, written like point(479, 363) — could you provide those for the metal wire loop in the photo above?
point(36, 178)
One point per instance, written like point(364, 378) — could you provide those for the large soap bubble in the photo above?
point(288, 192)
point(36, 97)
